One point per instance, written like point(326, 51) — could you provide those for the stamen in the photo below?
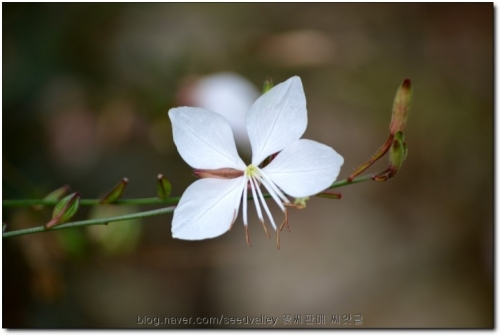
point(255, 199)
point(266, 208)
point(272, 192)
point(253, 182)
point(278, 239)
point(265, 229)
point(295, 206)
point(244, 200)
point(247, 236)
point(285, 221)
point(275, 188)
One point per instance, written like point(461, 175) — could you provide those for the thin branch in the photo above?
point(143, 201)
point(345, 182)
point(92, 222)
point(93, 202)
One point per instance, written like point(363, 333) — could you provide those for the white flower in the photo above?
point(229, 95)
point(275, 123)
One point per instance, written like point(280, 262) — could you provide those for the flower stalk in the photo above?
point(225, 174)
point(400, 112)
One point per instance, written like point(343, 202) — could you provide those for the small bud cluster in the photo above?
point(395, 144)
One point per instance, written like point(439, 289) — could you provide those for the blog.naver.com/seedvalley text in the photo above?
point(260, 320)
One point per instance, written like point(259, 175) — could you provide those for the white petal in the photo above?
point(276, 119)
point(304, 168)
point(204, 139)
point(207, 208)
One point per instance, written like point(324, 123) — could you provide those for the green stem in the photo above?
point(147, 201)
point(345, 182)
point(93, 202)
point(144, 201)
point(42, 229)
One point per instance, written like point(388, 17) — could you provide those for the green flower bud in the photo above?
point(116, 192)
point(163, 187)
point(57, 194)
point(268, 84)
point(397, 152)
point(54, 196)
point(64, 210)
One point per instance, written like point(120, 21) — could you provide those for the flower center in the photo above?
point(252, 171)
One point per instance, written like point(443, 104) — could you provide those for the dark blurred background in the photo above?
point(86, 90)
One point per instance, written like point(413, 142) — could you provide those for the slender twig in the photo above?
point(92, 222)
point(148, 201)
point(345, 182)
point(143, 201)
point(93, 202)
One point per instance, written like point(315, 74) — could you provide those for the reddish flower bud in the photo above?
point(401, 107)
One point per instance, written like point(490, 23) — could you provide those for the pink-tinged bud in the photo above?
point(64, 210)
point(401, 107)
point(116, 192)
point(268, 84)
point(163, 187)
point(224, 173)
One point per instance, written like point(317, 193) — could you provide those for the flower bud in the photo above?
point(300, 203)
point(64, 210)
point(329, 194)
point(163, 187)
point(116, 192)
point(57, 194)
point(54, 195)
point(401, 107)
point(268, 84)
point(397, 152)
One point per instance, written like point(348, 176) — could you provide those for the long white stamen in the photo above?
point(266, 208)
point(253, 184)
point(271, 192)
point(244, 200)
point(275, 188)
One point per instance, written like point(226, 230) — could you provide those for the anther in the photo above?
point(247, 236)
point(265, 229)
point(285, 221)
